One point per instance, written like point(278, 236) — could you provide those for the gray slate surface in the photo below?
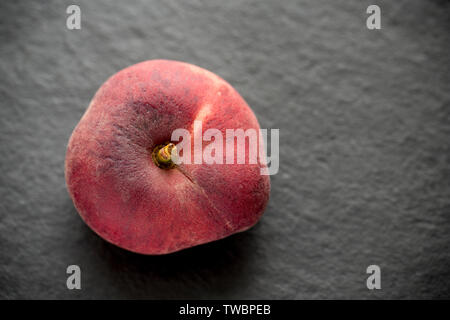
point(364, 119)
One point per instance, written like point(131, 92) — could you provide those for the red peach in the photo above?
point(115, 182)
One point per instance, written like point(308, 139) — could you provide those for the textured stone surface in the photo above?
point(364, 120)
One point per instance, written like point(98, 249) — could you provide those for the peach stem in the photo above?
point(163, 156)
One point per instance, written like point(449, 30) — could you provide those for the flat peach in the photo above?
point(121, 192)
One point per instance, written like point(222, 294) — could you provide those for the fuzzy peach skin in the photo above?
point(125, 197)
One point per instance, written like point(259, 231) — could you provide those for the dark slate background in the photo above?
point(364, 119)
